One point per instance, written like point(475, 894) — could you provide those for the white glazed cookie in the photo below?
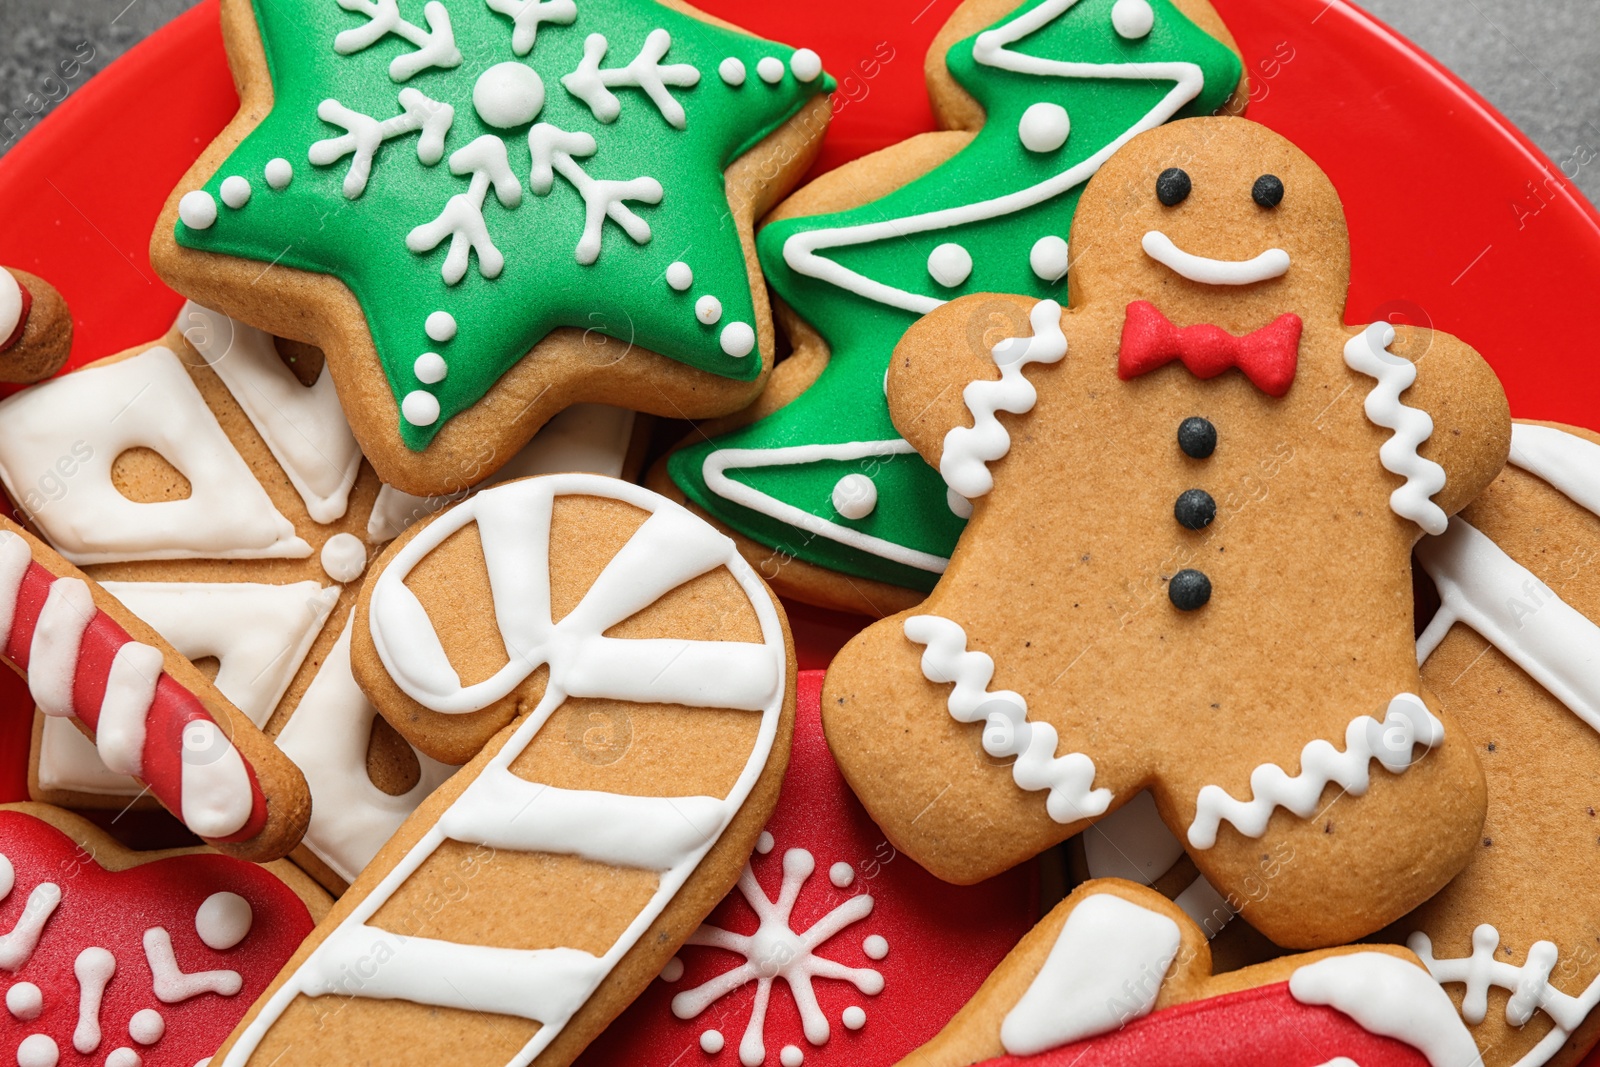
point(542, 887)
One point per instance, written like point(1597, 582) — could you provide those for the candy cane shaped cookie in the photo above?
point(151, 713)
point(646, 678)
point(35, 327)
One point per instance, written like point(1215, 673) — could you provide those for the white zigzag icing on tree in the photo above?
point(776, 950)
point(365, 135)
point(462, 218)
point(553, 151)
point(592, 85)
point(436, 45)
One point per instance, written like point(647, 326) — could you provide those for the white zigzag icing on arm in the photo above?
point(1529, 986)
point(1408, 723)
point(1006, 729)
point(1367, 353)
point(968, 450)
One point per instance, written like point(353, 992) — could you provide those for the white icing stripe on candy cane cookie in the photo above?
point(1483, 587)
point(10, 304)
point(304, 427)
point(15, 555)
point(81, 422)
point(1407, 724)
point(968, 451)
point(1388, 996)
point(215, 790)
point(547, 985)
point(717, 464)
point(130, 690)
point(53, 659)
point(1007, 730)
point(327, 737)
point(1567, 461)
point(991, 48)
point(1367, 353)
point(1529, 986)
point(1105, 968)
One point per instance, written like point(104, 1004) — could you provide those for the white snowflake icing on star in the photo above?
point(554, 151)
point(435, 46)
point(462, 218)
point(592, 84)
point(364, 135)
point(776, 950)
point(528, 15)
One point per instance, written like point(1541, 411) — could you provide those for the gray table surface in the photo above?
point(1538, 61)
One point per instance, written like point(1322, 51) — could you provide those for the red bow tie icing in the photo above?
point(1267, 356)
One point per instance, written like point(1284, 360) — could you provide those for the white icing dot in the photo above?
point(959, 505)
point(124, 1057)
point(1044, 127)
point(853, 1017)
point(24, 1001)
point(708, 309)
point(711, 1042)
point(344, 557)
point(673, 970)
point(732, 71)
point(147, 1026)
point(791, 1056)
point(420, 408)
point(876, 947)
point(508, 95)
point(235, 191)
point(430, 368)
point(440, 326)
point(764, 843)
point(279, 173)
point(854, 497)
point(37, 1050)
point(680, 275)
point(223, 919)
point(1048, 258)
point(841, 874)
point(770, 69)
point(950, 264)
point(1132, 18)
point(806, 64)
point(197, 210)
point(738, 339)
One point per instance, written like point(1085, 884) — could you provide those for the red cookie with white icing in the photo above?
point(210, 480)
point(1117, 976)
point(834, 948)
point(1189, 565)
point(127, 959)
point(632, 682)
point(1514, 654)
point(93, 665)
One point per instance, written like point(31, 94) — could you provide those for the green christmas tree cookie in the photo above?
point(1063, 84)
point(479, 173)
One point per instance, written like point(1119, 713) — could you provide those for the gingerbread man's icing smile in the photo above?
point(1198, 465)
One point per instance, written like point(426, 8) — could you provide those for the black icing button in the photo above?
point(1267, 191)
point(1189, 590)
point(1173, 186)
point(1195, 509)
point(1197, 437)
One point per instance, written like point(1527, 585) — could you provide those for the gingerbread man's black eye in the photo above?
point(1268, 190)
point(1172, 186)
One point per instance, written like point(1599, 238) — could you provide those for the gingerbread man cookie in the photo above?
point(535, 893)
point(1189, 564)
point(487, 212)
point(1118, 975)
point(35, 328)
point(1514, 655)
point(125, 958)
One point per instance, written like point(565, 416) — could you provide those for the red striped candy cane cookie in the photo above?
point(150, 712)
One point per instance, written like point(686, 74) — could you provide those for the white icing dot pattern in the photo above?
point(440, 326)
point(38, 1050)
point(680, 275)
point(430, 368)
point(124, 1057)
point(1049, 258)
point(875, 946)
point(673, 970)
point(708, 309)
point(344, 557)
point(1133, 19)
point(770, 69)
point(949, 264)
point(738, 339)
point(806, 65)
point(842, 874)
point(279, 173)
point(731, 71)
point(764, 843)
point(853, 1017)
point(223, 920)
point(508, 95)
point(420, 408)
point(791, 1056)
point(197, 210)
point(854, 497)
point(235, 191)
point(711, 1042)
point(147, 1026)
point(24, 1001)
point(1044, 127)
